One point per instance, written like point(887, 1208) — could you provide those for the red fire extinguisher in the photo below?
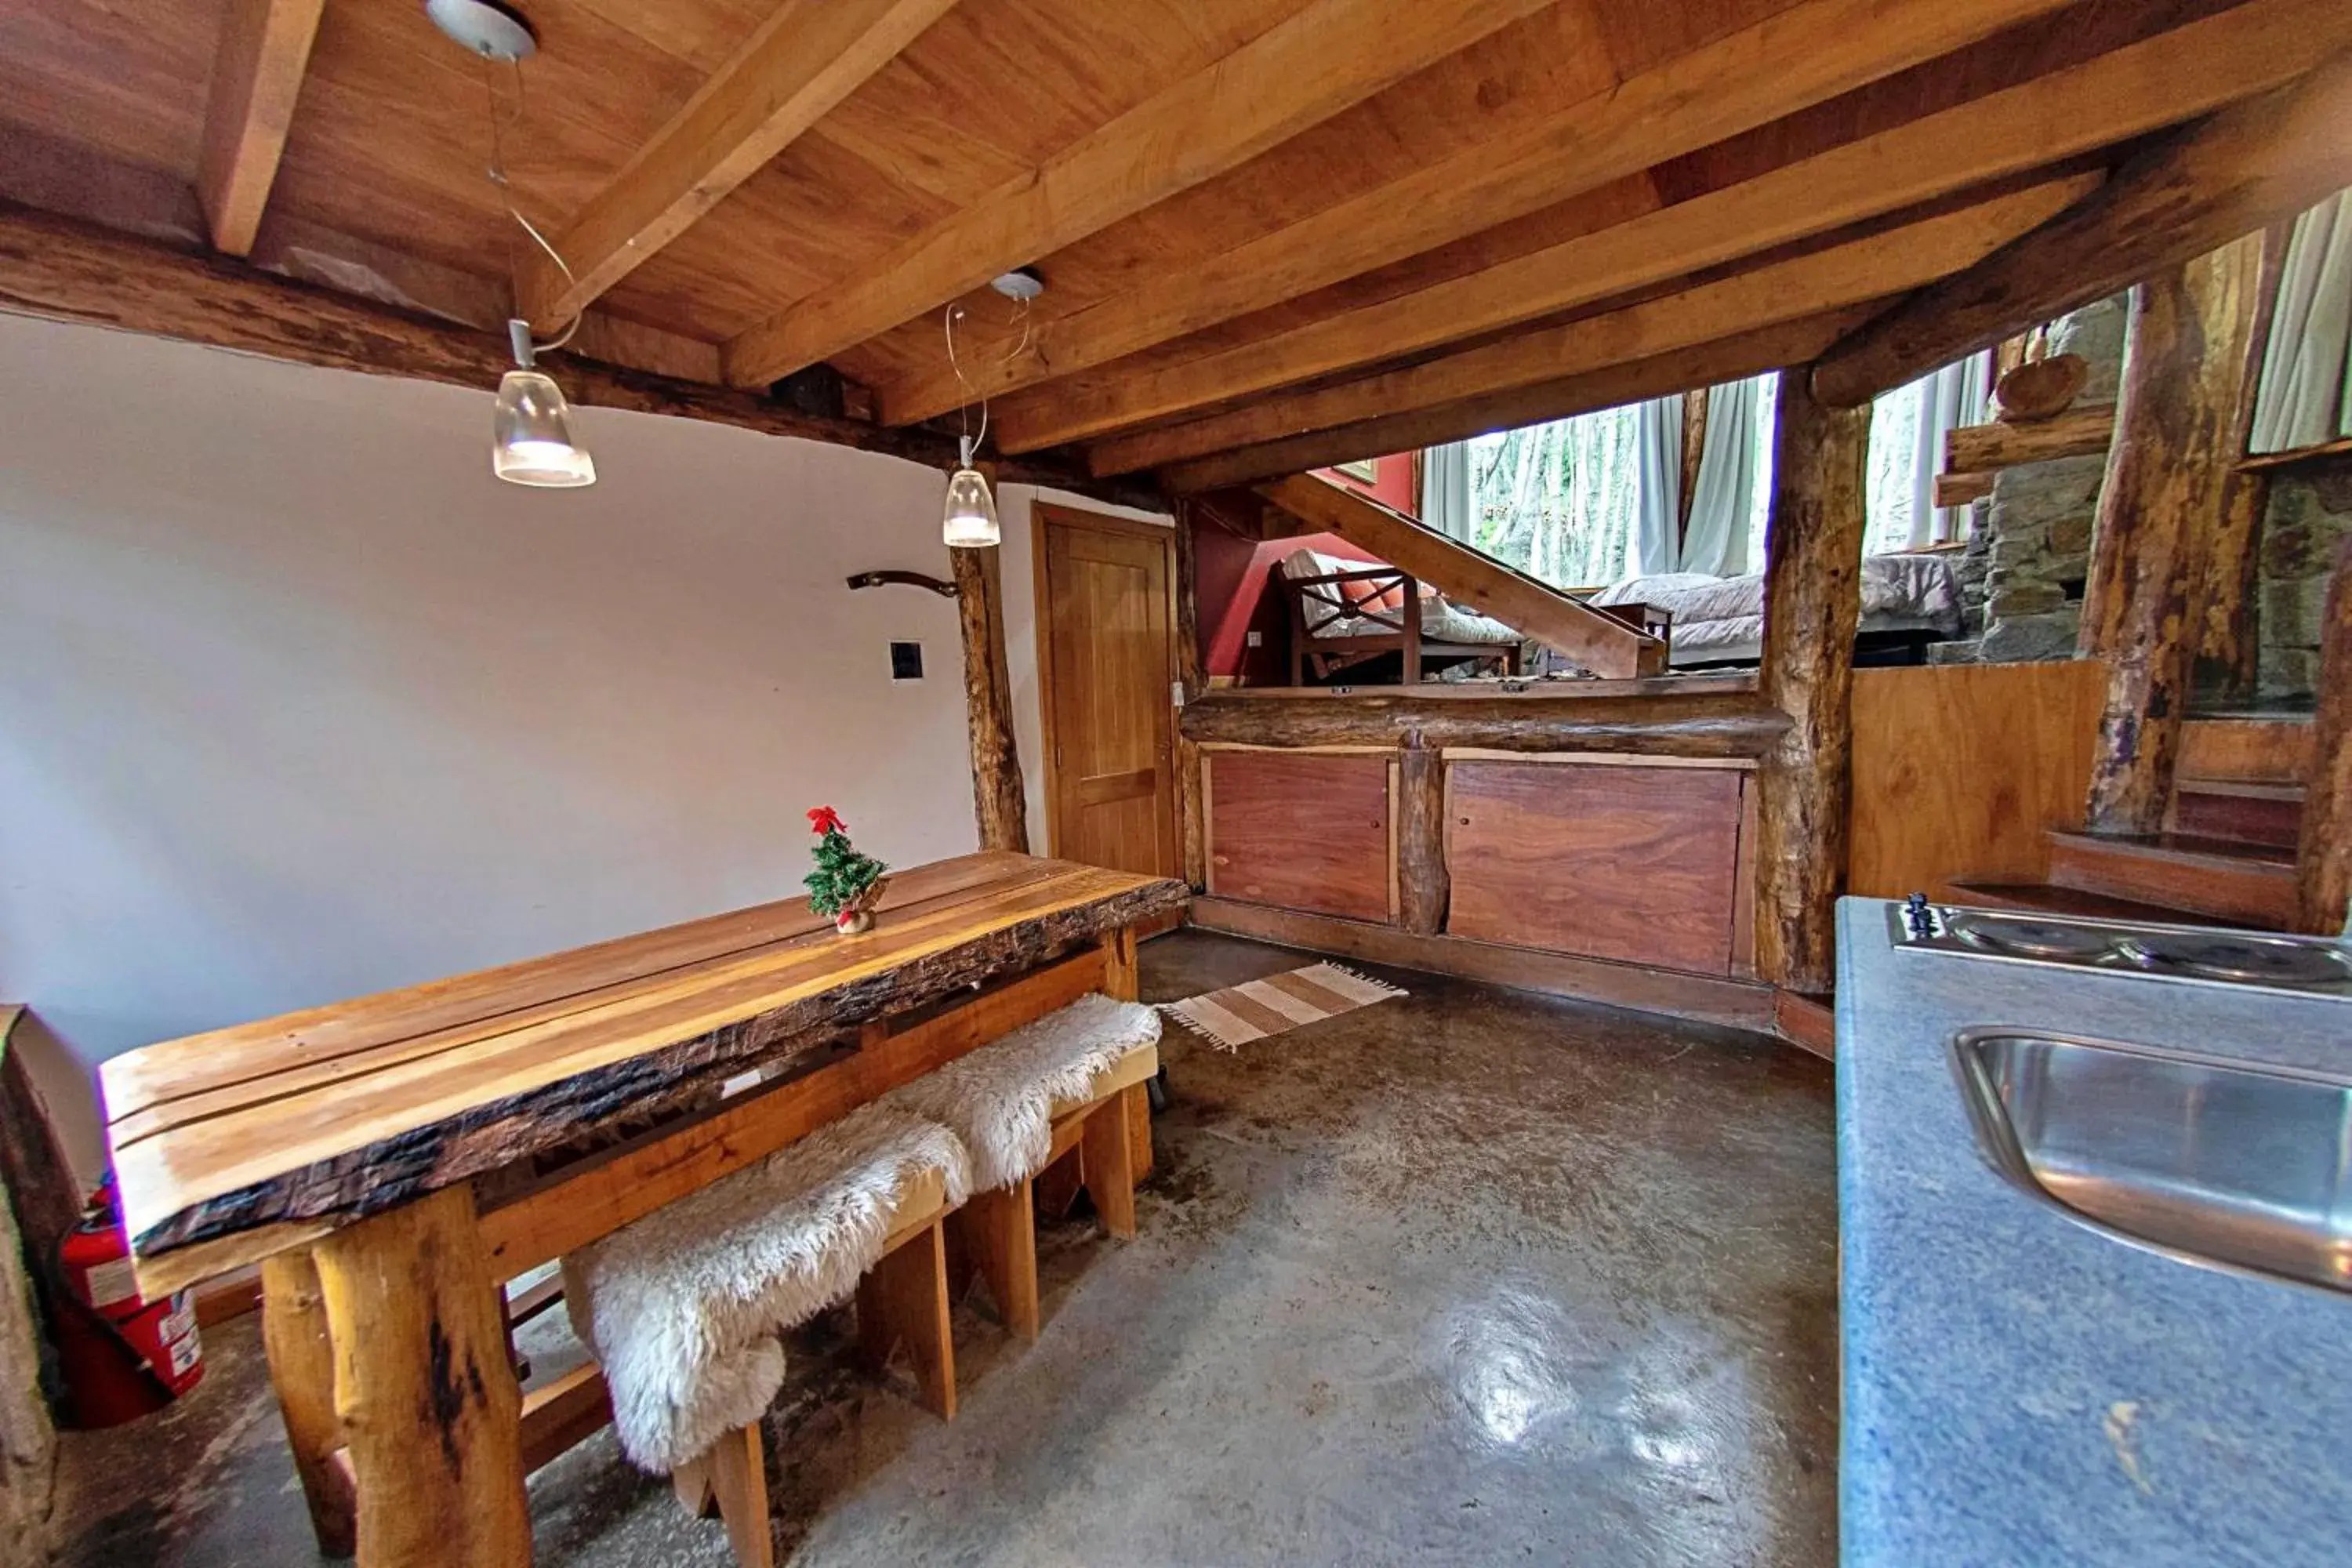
point(122, 1354)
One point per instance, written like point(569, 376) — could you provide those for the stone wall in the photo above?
point(2028, 549)
point(2308, 518)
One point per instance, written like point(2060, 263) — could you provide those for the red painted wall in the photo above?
point(1394, 487)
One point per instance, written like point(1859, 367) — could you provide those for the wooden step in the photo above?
point(2249, 751)
point(2046, 898)
point(2248, 813)
point(2252, 884)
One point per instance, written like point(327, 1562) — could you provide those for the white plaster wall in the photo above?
point(296, 703)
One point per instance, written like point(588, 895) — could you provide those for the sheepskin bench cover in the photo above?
point(684, 1307)
point(999, 1100)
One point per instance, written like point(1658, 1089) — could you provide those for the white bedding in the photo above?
point(1441, 620)
point(1722, 618)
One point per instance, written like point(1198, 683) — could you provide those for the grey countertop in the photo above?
point(2019, 1388)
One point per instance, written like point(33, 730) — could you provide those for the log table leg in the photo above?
point(302, 1369)
point(424, 1390)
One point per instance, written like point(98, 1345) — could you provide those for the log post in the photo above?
point(1000, 803)
point(301, 1355)
point(1813, 605)
point(2228, 646)
point(1193, 836)
point(1424, 885)
point(2160, 519)
point(2324, 859)
point(424, 1389)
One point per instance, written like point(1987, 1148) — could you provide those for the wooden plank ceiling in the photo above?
point(1273, 233)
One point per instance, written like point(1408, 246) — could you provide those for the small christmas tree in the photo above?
point(846, 883)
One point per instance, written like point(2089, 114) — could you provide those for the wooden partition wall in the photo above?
point(1960, 770)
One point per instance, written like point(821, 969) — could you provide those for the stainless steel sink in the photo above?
point(2223, 1162)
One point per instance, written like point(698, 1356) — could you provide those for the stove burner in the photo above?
point(2261, 961)
point(2031, 939)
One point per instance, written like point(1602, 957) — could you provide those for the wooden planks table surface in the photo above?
point(240, 1144)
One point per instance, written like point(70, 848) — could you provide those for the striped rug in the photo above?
point(1233, 1018)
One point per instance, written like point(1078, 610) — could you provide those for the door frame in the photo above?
point(1045, 516)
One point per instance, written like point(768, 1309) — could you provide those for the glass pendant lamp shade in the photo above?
point(971, 510)
point(531, 442)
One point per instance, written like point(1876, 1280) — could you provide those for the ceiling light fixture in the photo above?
point(970, 520)
point(531, 441)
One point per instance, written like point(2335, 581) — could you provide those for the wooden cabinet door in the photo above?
point(1300, 831)
point(1636, 864)
point(1110, 667)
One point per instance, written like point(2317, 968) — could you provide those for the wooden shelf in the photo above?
point(2340, 447)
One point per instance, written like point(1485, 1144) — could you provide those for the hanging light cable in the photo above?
point(969, 522)
point(531, 440)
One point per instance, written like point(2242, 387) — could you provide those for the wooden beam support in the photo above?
point(424, 1389)
point(69, 272)
point(1728, 359)
point(999, 802)
point(2159, 514)
point(2230, 175)
point(1812, 603)
point(2324, 859)
point(2157, 82)
point(1712, 724)
point(1826, 279)
point(797, 65)
point(2229, 646)
point(1423, 884)
point(1982, 448)
point(1962, 489)
point(1322, 59)
point(1193, 837)
point(264, 48)
point(301, 1353)
point(1601, 643)
point(1552, 151)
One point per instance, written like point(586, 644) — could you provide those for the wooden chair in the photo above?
point(1329, 597)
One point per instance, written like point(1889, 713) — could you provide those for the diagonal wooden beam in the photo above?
point(1845, 274)
point(1322, 59)
point(1534, 608)
point(795, 67)
point(2231, 174)
point(265, 46)
point(1710, 364)
point(1810, 52)
point(2160, 81)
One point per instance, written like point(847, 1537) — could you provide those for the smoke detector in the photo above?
point(1023, 283)
point(485, 27)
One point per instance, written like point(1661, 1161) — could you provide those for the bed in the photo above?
point(1908, 602)
point(1343, 613)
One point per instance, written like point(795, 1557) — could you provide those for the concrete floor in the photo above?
point(1466, 1277)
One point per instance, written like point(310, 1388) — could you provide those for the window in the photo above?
point(1559, 500)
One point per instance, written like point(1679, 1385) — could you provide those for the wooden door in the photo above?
point(1107, 666)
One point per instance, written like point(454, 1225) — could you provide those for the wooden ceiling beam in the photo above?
point(2160, 81)
point(1710, 364)
point(2237, 171)
point(1845, 274)
point(1320, 60)
point(64, 271)
point(264, 48)
point(1805, 54)
point(800, 63)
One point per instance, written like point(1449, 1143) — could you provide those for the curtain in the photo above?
point(1907, 428)
point(1722, 499)
point(1445, 489)
point(1657, 485)
point(2305, 395)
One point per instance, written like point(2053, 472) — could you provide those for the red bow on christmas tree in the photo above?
point(824, 819)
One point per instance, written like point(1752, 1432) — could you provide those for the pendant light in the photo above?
point(531, 430)
point(531, 441)
point(970, 511)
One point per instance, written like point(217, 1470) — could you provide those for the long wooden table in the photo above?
point(392, 1161)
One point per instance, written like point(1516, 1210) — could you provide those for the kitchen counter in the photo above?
point(2019, 1388)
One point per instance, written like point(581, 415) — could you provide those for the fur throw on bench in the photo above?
point(684, 1307)
point(999, 1099)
